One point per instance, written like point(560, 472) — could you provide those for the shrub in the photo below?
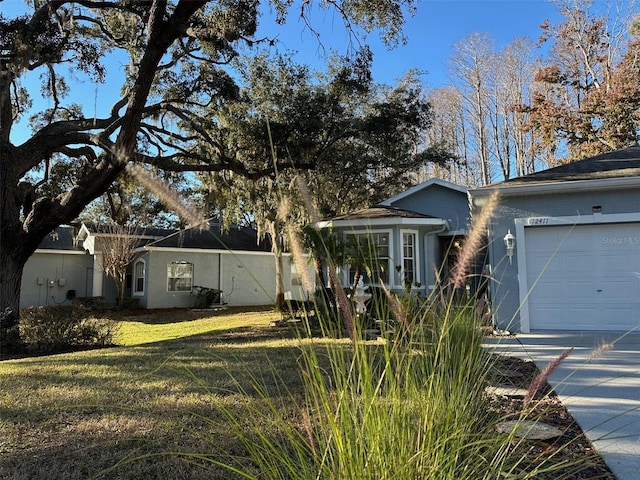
point(129, 304)
point(91, 303)
point(46, 330)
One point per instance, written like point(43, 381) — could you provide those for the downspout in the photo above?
point(432, 233)
point(491, 280)
point(220, 276)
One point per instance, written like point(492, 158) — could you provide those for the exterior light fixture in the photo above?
point(510, 244)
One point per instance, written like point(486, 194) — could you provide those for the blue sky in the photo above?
point(431, 34)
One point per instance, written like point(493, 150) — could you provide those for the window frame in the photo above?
point(177, 278)
point(415, 258)
point(134, 278)
point(388, 259)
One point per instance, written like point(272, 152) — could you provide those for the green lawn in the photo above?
point(169, 325)
point(125, 412)
point(185, 390)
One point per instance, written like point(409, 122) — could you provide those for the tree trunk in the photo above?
point(10, 281)
point(15, 249)
point(122, 285)
point(277, 255)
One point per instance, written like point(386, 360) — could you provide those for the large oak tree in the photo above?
point(351, 143)
point(178, 55)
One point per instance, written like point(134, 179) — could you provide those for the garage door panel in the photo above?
point(582, 318)
point(545, 315)
point(619, 318)
point(578, 264)
point(580, 290)
point(542, 262)
point(586, 277)
point(542, 242)
point(618, 290)
point(576, 241)
point(548, 291)
point(619, 262)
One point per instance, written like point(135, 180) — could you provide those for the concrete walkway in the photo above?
point(599, 383)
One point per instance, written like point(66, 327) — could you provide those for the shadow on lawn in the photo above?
point(161, 316)
point(218, 362)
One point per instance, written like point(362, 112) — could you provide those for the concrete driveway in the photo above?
point(599, 383)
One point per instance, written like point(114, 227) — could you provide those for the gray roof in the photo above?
point(235, 238)
point(621, 163)
point(380, 211)
point(213, 238)
point(105, 228)
point(62, 238)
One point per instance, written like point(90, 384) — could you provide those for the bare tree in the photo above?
point(449, 130)
point(511, 90)
point(517, 68)
point(117, 245)
point(472, 67)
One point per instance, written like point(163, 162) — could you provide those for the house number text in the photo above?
point(539, 221)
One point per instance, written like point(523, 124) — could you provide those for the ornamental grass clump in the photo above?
point(401, 410)
point(379, 409)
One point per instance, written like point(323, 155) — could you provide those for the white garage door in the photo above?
point(585, 277)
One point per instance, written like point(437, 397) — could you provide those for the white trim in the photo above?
point(200, 250)
point(60, 252)
point(560, 186)
point(422, 186)
point(98, 275)
point(416, 255)
point(134, 292)
point(541, 222)
point(381, 222)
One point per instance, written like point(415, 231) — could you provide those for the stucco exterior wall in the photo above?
point(244, 278)
point(517, 212)
point(49, 276)
point(440, 202)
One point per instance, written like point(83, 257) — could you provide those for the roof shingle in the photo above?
point(621, 163)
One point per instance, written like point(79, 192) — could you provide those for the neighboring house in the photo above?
point(413, 235)
point(234, 262)
point(94, 238)
point(58, 271)
point(576, 256)
point(168, 271)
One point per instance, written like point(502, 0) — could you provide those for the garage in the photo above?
point(583, 277)
point(563, 246)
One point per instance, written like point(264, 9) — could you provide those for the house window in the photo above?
point(179, 276)
point(138, 277)
point(408, 258)
point(296, 280)
point(369, 251)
